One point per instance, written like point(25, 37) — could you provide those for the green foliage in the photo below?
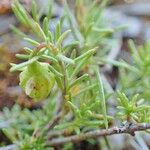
point(133, 110)
point(31, 143)
point(135, 77)
point(86, 116)
point(21, 122)
point(88, 15)
point(55, 67)
point(138, 74)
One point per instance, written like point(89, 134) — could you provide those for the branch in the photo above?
point(57, 113)
point(53, 122)
point(65, 132)
point(130, 129)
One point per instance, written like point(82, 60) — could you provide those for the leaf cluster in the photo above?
point(133, 110)
point(137, 74)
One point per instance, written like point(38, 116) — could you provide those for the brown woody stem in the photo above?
point(131, 129)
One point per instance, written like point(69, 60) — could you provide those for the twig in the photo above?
point(57, 113)
point(53, 122)
point(52, 134)
point(131, 129)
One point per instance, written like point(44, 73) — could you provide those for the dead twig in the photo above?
point(131, 129)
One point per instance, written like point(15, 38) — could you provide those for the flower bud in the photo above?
point(36, 80)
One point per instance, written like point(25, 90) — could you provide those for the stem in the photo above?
point(65, 81)
point(65, 132)
point(60, 110)
point(53, 122)
point(97, 133)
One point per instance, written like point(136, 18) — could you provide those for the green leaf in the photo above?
point(50, 4)
point(9, 135)
point(57, 31)
point(66, 59)
point(50, 36)
point(77, 130)
point(86, 89)
point(51, 58)
point(79, 66)
point(55, 72)
point(28, 50)
point(142, 108)
point(17, 31)
point(64, 125)
point(34, 11)
point(22, 13)
point(132, 47)
point(104, 30)
point(73, 54)
point(70, 45)
point(88, 30)
point(22, 56)
point(79, 80)
point(18, 16)
point(78, 2)
point(134, 99)
point(121, 28)
point(99, 116)
point(24, 64)
point(40, 31)
point(121, 108)
point(62, 37)
point(59, 82)
point(45, 26)
point(93, 123)
point(75, 110)
point(102, 97)
point(86, 54)
point(32, 42)
point(123, 99)
point(135, 116)
point(122, 64)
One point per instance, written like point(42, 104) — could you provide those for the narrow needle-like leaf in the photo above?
point(79, 80)
point(87, 54)
point(66, 59)
point(62, 37)
point(58, 74)
point(22, 56)
point(31, 41)
point(18, 66)
point(102, 97)
point(34, 11)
